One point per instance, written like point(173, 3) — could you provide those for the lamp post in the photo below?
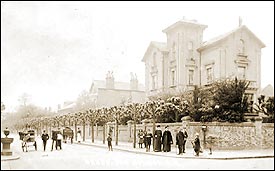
point(204, 128)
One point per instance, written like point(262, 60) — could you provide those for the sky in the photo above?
point(54, 50)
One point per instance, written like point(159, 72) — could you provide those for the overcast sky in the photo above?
point(53, 50)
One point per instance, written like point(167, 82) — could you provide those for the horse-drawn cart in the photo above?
point(28, 139)
point(68, 134)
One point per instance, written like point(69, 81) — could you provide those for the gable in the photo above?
point(219, 39)
point(159, 46)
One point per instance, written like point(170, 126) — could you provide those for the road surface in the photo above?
point(75, 157)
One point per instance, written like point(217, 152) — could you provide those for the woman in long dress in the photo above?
point(78, 135)
point(157, 137)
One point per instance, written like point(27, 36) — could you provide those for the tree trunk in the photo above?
point(84, 131)
point(154, 128)
point(93, 134)
point(46, 126)
point(103, 134)
point(135, 130)
point(75, 130)
point(50, 130)
point(116, 132)
point(176, 116)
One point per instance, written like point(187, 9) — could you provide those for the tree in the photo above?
point(84, 101)
point(266, 106)
point(135, 110)
point(229, 95)
point(93, 117)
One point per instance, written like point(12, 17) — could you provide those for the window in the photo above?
point(173, 77)
point(191, 77)
point(154, 82)
point(241, 72)
point(174, 50)
point(154, 59)
point(190, 50)
point(249, 97)
point(209, 72)
point(241, 47)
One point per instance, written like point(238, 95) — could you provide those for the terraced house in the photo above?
point(185, 60)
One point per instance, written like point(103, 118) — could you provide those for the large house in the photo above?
point(185, 60)
point(107, 93)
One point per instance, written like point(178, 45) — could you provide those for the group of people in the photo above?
point(56, 138)
point(145, 137)
point(163, 141)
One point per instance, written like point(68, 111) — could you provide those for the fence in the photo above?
point(246, 135)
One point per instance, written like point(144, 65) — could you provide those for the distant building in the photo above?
point(67, 107)
point(268, 91)
point(108, 92)
point(185, 60)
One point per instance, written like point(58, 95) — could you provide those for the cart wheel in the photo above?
point(35, 145)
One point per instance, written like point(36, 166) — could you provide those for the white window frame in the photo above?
point(173, 77)
point(210, 67)
point(154, 81)
point(189, 78)
point(242, 75)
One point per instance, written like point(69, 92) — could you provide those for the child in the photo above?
point(196, 145)
point(109, 139)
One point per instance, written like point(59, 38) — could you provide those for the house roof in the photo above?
point(101, 84)
point(184, 22)
point(161, 46)
point(67, 107)
point(220, 38)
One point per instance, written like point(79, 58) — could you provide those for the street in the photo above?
point(75, 157)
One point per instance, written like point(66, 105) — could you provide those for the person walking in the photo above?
point(109, 140)
point(185, 138)
point(54, 139)
point(78, 137)
point(167, 140)
point(180, 141)
point(196, 144)
point(147, 140)
point(157, 139)
point(45, 138)
point(59, 139)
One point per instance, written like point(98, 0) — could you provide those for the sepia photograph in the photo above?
point(137, 85)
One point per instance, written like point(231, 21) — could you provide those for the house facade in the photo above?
point(185, 60)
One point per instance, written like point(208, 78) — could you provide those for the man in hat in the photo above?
point(45, 138)
point(185, 135)
point(179, 141)
point(147, 140)
point(157, 137)
point(167, 140)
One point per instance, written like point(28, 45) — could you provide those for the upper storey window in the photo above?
point(154, 59)
point(174, 50)
point(241, 47)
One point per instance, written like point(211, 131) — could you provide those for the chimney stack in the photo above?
point(110, 81)
point(133, 82)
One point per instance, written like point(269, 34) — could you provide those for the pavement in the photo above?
point(216, 154)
